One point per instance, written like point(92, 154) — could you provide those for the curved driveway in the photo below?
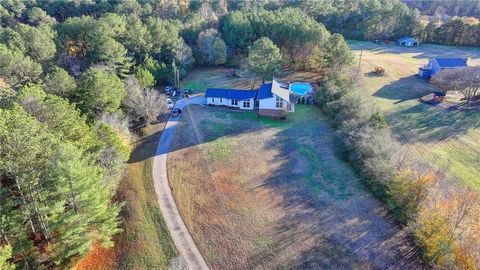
point(181, 236)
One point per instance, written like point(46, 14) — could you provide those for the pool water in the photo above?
point(300, 88)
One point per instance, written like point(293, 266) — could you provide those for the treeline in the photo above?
point(444, 221)
point(363, 19)
point(454, 32)
point(460, 8)
point(74, 77)
point(386, 19)
point(304, 43)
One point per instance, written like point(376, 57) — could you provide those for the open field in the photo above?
point(448, 140)
point(262, 194)
point(145, 242)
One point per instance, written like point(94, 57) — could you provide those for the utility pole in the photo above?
point(176, 74)
point(359, 62)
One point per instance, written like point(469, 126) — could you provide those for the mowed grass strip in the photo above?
point(145, 242)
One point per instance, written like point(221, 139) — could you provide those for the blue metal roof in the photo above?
point(230, 93)
point(451, 62)
point(265, 91)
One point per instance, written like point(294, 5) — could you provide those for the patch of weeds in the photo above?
point(265, 244)
point(221, 148)
point(315, 167)
point(213, 130)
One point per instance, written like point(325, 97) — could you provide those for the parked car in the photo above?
point(176, 112)
point(169, 103)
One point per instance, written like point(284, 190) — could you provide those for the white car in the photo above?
point(169, 103)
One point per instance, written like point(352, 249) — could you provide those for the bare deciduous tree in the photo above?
point(465, 80)
point(143, 104)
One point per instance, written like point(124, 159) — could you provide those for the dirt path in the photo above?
point(179, 232)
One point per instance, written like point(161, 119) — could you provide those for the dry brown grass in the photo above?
point(99, 258)
point(221, 214)
point(257, 194)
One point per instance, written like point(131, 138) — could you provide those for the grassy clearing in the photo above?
point(258, 193)
point(200, 79)
point(145, 242)
point(447, 140)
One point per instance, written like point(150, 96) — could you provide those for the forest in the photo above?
point(77, 77)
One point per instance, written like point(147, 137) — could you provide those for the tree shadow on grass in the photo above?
point(407, 88)
point(145, 148)
point(426, 123)
point(328, 220)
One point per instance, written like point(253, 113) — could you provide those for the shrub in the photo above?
point(60, 83)
point(407, 192)
point(145, 77)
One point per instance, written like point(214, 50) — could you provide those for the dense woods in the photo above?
point(460, 8)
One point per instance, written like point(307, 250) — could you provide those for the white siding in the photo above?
point(270, 104)
point(218, 101)
point(228, 102)
point(240, 104)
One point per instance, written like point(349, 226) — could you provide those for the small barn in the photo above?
point(407, 42)
point(437, 64)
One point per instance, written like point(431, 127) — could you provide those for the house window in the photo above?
point(278, 103)
point(234, 102)
point(213, 100)
point(220, 100)
point(246, 103)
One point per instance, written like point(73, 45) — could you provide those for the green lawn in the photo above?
point(200, 79)
point(447, 140)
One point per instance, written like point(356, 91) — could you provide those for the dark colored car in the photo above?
point(176, 112)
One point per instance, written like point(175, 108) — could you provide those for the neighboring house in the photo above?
point(271, 99)
point(435, 65)
point(407, 42)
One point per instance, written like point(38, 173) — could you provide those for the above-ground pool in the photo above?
point(300, 88)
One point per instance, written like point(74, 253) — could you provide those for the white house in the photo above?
point(241, 99)
point(271, 99)
point(274, 99)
